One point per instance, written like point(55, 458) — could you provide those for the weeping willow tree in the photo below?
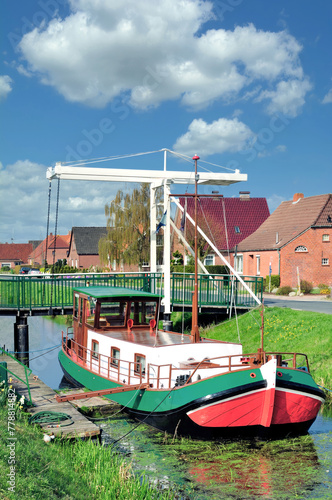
point(128, 228)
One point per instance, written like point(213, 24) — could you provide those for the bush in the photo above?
point(217, 269)
point(284, 290)
point(322, 286)
point(306, 286)
point(275, 281)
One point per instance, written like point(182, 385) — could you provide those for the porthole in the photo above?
point(253, 375)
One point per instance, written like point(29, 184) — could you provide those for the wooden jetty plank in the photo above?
point(43, 399)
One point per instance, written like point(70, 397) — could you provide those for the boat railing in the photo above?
point(115, 369)
point(167, 375)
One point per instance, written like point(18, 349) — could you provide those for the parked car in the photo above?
point(34, 271)
point(24, 270)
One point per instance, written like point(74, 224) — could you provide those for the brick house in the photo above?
point(83, 251)
point(56, 249)
point(226, 222)
point(14, 254)
point(83, 247)
point(294, 242)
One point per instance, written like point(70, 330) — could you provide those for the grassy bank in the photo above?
point(62, 469)
point(285, 330)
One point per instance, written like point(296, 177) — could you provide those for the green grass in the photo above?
point(285, 330)
point(67, 470)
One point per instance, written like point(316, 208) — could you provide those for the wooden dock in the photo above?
point(43, 400)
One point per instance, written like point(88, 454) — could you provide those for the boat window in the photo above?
point(95, 349)
point(112, 314)
point(75, 309)
point(142, 312)
point(115, 356)
point(139, 364)
point(90, 311)
point(81, 310)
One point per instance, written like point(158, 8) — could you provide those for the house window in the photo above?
point(301, 248)
point(95, 349)
point(237, 229)
point(115, 356)
point(325, 262)
point(258, 267)
point(139, 364)
point(209, 260)
point(326, 237)
point(238, 263)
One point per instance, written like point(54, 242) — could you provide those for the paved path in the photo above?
point(314, 303)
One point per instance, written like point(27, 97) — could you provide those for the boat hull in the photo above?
point(254, 402)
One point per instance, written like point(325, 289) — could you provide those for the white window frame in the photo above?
point(325, 261)
point(238, 263)
point(301, 248)
point(326, 237)
point(258, 265)
point(208, 257)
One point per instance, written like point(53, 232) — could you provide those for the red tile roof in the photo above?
point(15, 251)
point(288, 221)
point(227, 221)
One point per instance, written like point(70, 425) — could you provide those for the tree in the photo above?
point(128, 228)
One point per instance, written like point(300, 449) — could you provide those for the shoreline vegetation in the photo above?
point(31, 468)
point(84, 469)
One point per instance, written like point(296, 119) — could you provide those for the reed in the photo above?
point(68, 470)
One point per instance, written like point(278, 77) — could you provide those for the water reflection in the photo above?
point(203, 469)
point(44, 335)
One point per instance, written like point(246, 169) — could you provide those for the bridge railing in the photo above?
point(44, 291)
point(216, 289)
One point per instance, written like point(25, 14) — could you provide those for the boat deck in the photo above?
point(151, 338)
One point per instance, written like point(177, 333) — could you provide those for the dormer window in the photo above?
point(301, 248)
point(237, 229)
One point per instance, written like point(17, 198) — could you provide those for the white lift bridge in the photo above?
point(155, 178)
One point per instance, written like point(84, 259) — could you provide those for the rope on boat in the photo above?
point(119, 411)
point(51, 417)
point(325, 388)
point(142, 421)
point(38, 350)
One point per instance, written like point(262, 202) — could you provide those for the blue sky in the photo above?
point(244, 84)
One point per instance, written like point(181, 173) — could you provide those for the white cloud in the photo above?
point(152, 52)
point(288, 97)
point(220, 136)
point(328, 98)
point(24, 203)
point(5, 86)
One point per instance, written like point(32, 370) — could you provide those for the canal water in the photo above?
point(297, 468)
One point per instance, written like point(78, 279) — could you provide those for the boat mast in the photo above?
point(194, 325)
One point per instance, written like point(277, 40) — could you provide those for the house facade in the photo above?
point(83, 251)
point(51, 249)
point(226, 222)
point(14, 254)
point(294, 242)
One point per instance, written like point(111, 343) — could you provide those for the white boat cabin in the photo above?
point(115, 334)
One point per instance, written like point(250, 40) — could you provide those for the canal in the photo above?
point(288, 469)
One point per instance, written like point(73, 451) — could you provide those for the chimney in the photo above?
point(244, 195)
point(297, 197)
